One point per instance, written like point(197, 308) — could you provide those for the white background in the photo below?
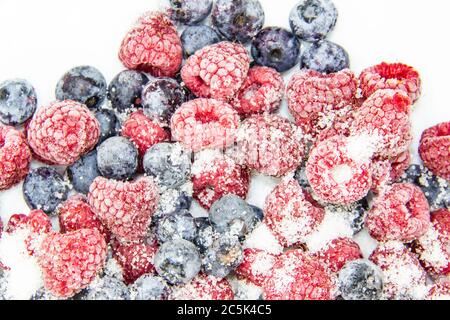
point(40, 40)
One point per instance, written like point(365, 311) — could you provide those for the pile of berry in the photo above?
point(191, 122)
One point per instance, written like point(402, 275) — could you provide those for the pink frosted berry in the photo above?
point(435, 149)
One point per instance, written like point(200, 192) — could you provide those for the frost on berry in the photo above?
point(217, 71)
point(256, 266)
point(434, 149)
point(338, 252)
point(401, 214)
point(385, 171)
point(439, 291)
point(203, 287)
point(205, 123)
point(152, 46)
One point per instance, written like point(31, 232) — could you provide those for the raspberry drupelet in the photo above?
point(434, 149)
point(336, 253)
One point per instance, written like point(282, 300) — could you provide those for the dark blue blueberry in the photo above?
point(189, 12)
point(117, 158)
point(238, 20)
point(161, 97)
point(169, 164)
point(302, 179)
point(325, 57)
point(83, 172)
point(223, 257)
point(170, 201)
point(177, 225)
point(125, 90)
point(197, 37)
point(109, 124)
point(84, 84)
point(149, 287)
point(206, 235)
point(107, 289)
point(44, 189)
point(18, 102)
point(258, 214)
point(360, 280)
point(312, 20)
point(277, 48)
point(178, 261)
point(358, 215)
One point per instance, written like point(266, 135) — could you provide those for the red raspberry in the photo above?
point(440, 291)
point(152, 46)
point(314, 97)
point(143, 131)
point(402, 214)
point(434, 149)
point(215, 174)
point(62, 132)
point(15, 222)
point(386, 171)
point(339, 170)
point(395, 76)
point(217, 71)
point(135, 258)
point(433, 248)
point(205, 123)
point(125, 208)
point(339, 126)
point(269, 144)
point(15, 157)
point(75, 214)
point(338, 252)
point(403, 275)
point(296, 276)
point(70, 261)
point(256, 266)
point(384, 116)
point(204, 287)
point(262, 91)
point(291, 213)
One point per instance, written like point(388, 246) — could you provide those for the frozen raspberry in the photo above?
point(313, 97)
point(387, 171)
point(439, 291)
point(217, 71)
point(402, 214)
point(144, 132)
point(338, 125)
point(291, 213)
point(135, 259)
point(395, 76)
point(256, 266)
point(296, 276)
point(435, 149)
point(70, 261)
point(75, 214)
point(338, 252)
point(337, 173)
point(15, 157)
point(384, 116)
point(152, 46)
point(205, 123)
point(404, 277)
point(125, 208)
point(433, 248)
point(204, 287)
point(270, 144)
point(215, 174)
point(37, 223)
point(63, 131)
point(262, 91)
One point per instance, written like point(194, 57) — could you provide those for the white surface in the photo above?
point(40, 40)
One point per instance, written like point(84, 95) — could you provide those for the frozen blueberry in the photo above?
point(84, 84)
point(302, 179)
point(223, 257)
point(161, 97)
point(177, 225)
point(18, 102)
point(360, 280)
point(178, 261)
point(277, 48)
point(125, 90)
point(258, 214)
point(44, 189)
point(168, 163)
point(106, 288)
point(238, 20)
point(173, 200)
point(149, 287)
point(325, 57)
point(189, 12)
point(83, 172)
point(197, 37)
point(312, 20)
point(117, 158)
point(109, 124)
point(358, 215)
point(206, 235)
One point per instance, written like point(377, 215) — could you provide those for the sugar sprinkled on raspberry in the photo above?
point(125, 208)
point(152, 46)
point(439, 291)
point(217, 71)
point(62, 132)
point(262, 238)
point(204, 287)
point(434, 149)
point(338, 252)
point(256, 266)
point(386, 171)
